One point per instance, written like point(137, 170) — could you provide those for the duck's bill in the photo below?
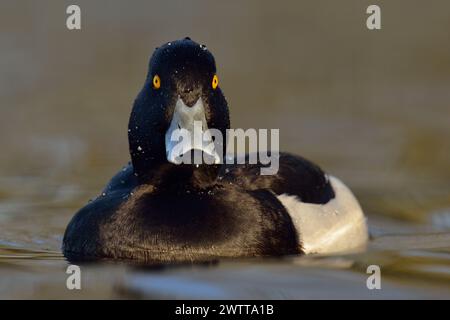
point(188, 139)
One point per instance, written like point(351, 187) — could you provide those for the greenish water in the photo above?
point(372, 108)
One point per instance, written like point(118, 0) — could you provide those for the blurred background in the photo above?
point(371, 107)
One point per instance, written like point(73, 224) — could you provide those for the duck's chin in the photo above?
point(195, 158)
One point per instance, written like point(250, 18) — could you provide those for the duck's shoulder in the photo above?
point(117, 192)
point(82, 232)
point(296, 176)
point(124, 180)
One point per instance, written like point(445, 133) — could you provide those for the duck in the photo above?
point(158, 210)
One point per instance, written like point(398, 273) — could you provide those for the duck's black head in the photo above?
point(181, 87)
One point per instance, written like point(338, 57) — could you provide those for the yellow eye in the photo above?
point(156, 82)
point(215, 81)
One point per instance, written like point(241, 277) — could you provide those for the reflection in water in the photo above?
point(13, 252)
point(371, 108)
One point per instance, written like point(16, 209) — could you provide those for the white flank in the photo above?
point(335, 227)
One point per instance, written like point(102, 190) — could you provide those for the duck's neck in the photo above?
point(180, 178)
